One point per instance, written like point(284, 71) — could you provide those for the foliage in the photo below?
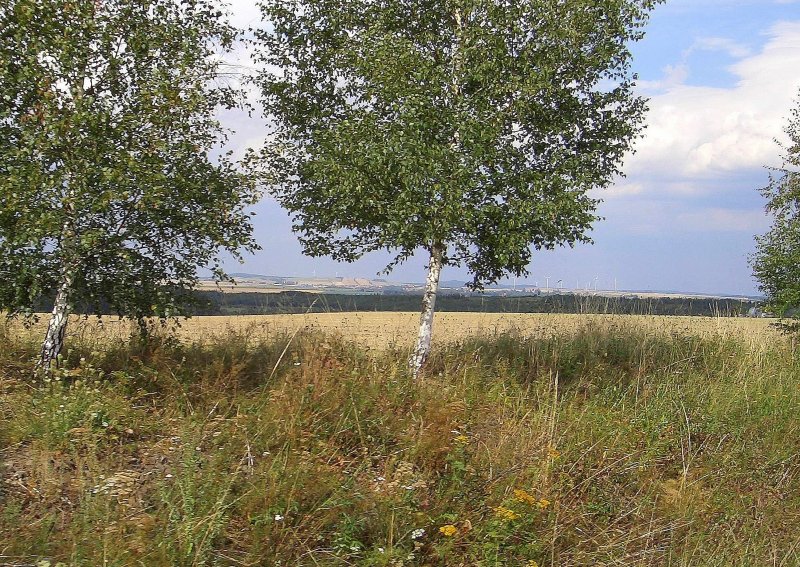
point(474, 125)
point(776, 262)
point(617, 445)
point(110, 186)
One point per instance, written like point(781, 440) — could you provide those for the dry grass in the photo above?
point(379, 330)
point(626, 442)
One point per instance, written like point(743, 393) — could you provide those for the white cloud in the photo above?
point(723, 44)
point(659, 216)
point(674, 75)
point(723, 220)
point(619, 189)
point(244, 13)
point(699, 132)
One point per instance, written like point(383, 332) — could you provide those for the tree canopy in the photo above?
point(475, 123)
point(113, 187)
point(776, 262)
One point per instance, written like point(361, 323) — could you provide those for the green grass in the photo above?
point(607, 446)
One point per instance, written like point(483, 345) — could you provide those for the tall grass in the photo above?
point(608, 445)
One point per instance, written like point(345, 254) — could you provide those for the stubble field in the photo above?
point(378, 330)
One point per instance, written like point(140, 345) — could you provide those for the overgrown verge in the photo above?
point(609, 446)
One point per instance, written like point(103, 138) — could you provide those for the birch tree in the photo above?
point(776, 261)
point(470, 129)
point(109, 192)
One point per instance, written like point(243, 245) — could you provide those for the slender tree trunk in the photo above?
point(54, 339)
point(57, 327)
point(423, 347)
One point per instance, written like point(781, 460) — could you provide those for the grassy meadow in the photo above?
point(537, 440)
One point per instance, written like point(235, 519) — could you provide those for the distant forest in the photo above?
point(251, 303)
point(293, 302)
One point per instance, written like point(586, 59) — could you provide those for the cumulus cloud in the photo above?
point(723, 44)
point(662, 216)
point(622, 189)
point(245, 13)
point(697, 131)
point(674, 75)
point(724, 220)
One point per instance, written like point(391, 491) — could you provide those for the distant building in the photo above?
point(757, 312)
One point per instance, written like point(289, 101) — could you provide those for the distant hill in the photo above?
point(245, 276)
point(452, 283)
point(350, 285)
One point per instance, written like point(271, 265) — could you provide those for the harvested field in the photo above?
point(379, 330)
point(227, 287)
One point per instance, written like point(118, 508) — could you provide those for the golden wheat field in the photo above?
point(381, 329)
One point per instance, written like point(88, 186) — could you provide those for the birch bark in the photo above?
point(423, 347)
point(57, 327)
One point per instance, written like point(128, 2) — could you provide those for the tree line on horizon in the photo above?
point(204, 302)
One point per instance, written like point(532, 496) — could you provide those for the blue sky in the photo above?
point(722, 76)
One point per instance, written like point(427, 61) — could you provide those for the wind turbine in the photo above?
point(547, 282)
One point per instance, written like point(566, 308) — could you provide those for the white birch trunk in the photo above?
point(423, 348)
point(57, 327)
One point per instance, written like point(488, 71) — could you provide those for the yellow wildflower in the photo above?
point(553, 453)
point(543, 503)
point(531, 563)
point(522, 496)
point(505, 513)
point(448, 530)
point(462, 439)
